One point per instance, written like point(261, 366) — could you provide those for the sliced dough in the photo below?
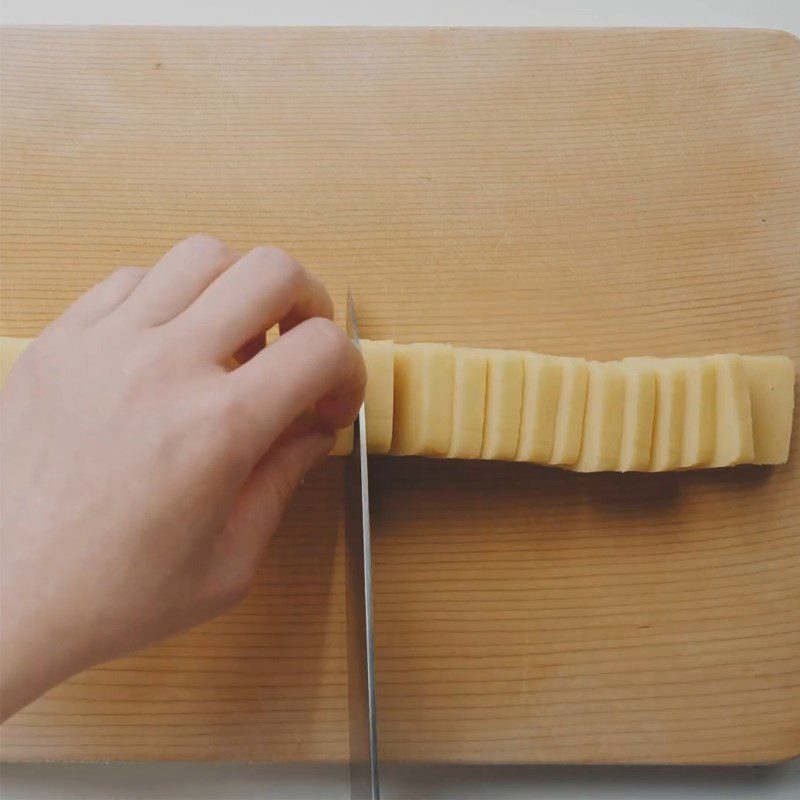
point(503, 404)
point(469, 402)
point(379, 395)
point(667, 446)
point(744, 415)
point(638, 416)
point(541, 391)
point(700, 419)
point(571, 406)
point(602, 421)
point(770, 380)
point(734, 434)
point(407, 406)
point(423, 399)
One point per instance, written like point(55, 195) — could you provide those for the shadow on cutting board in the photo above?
point(400, 782)
point(526, 614)
point(507, 492)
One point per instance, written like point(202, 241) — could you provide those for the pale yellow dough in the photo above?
point(503, 404)
point(469, 402)
point(734, 428)
point(638, 414)
point(423, 399)
point(602, 421)
point(541, 391)
point(699, 424)
point(571, 405)
point(770, 380)
point(667, 447)
point(379, 395)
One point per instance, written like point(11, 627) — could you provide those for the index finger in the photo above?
point(314, 365)
point(264, 287)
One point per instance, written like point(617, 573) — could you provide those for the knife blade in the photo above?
point(360, 629)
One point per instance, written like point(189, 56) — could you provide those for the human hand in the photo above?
point(141, 476)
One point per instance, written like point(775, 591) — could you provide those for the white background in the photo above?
point(784, 14)
point(238, 782)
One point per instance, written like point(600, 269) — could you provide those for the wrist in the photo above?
point(26, 672)
point(37, 650)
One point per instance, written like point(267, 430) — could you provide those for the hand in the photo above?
point(142, 477)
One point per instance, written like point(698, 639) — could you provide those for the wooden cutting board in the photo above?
point(581, 192)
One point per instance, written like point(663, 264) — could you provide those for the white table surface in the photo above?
point(189, 781)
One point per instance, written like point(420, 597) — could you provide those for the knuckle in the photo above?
point(280, 260)
point(150, 360)
point(126, 273)
point(329, 336)
point(274, 255)
point(204, 243)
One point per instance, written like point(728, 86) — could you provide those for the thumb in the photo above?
point(266, 493)
point(286, 463)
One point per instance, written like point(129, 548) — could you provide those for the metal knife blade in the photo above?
point(360, 645)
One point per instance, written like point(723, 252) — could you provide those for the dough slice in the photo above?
point(734, 429)
point(423, 399)
point(770, 381)
point(638, 416)
point(379, 395)
point(503, 404)
point(571, 406)
point(699, 425)
point(603, 418)
point(469, 402)
point(541, 391)
point(667, 446)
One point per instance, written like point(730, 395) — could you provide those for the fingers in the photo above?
point(268, 490)
point(250, 349)
point(285, 466)
point(179, 278)
point(264, 287)
point(103, 297)
point(314, 365)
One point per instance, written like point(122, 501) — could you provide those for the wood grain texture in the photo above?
point(593, 193)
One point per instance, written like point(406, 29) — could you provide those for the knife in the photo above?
point(360, 645)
